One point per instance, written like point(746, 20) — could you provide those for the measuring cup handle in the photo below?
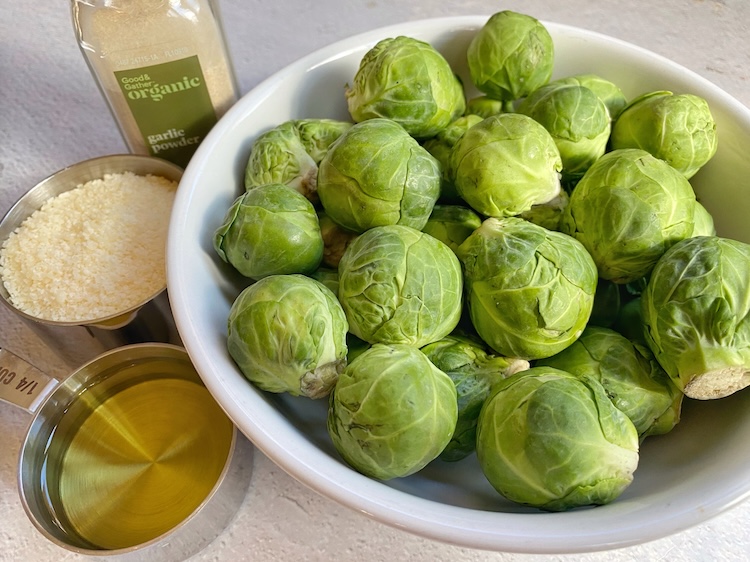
point(22, 384)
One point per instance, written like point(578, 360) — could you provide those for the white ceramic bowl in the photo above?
point(685, 477)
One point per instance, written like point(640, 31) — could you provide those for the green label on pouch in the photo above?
point(171, 105)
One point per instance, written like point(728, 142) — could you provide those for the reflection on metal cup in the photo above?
point(76, 344)
point(147, 321)
point(129, 456)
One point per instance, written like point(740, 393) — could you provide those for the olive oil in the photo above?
point(129, 461)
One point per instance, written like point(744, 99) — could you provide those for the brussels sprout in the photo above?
point(505, 164)
point(696, 313)
point(450, 135)
point(290, 154)
point(703, 222)
point(376, 174)
point(287, 333)
point(548, 439)
point(441, 147)
point(577, 120)
point(452, 224)
point(473, 370)
point(609, 92)
point(510, 56)
point(676, 128)
point(548, 214)
point(628, 209)
point(606, 304)
point(530, 291)
point(392, 412)
point(317, 135)
point(485, 106)
point(399, 285)
point(278, 156)
point(328, 277)
point(633, 379)
point(270, 230)
point(410, 82)
point(335, 240)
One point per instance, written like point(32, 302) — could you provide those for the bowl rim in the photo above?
point(462, 526)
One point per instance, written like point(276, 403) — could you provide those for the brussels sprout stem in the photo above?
point(516, 366)
point(718, 383)
point(319, 382)
point(307, 184)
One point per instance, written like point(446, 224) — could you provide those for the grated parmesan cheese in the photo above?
point(92, 252)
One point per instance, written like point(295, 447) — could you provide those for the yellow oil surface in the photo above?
point(138, 461)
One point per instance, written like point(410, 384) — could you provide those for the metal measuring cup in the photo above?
point(100, 433)
point(77, 342)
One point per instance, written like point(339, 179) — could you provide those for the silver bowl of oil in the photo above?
point(131, 456)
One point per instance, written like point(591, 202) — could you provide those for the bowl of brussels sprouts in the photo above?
point(485, 279)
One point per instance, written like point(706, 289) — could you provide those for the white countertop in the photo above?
point(52, 115)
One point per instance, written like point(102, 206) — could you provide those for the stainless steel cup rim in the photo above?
point(195, 531)
point(69, 178)
point(111, 322)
